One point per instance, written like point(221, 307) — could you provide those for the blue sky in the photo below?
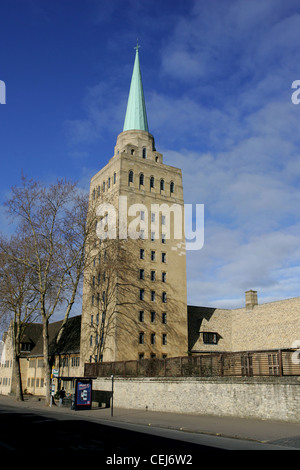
point(217, 77)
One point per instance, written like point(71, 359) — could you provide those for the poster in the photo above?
point(83, 394)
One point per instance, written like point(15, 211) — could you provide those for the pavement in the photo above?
point(285, 434)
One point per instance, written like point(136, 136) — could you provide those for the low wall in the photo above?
point(274, 398)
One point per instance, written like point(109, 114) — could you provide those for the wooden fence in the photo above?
point(283, 362)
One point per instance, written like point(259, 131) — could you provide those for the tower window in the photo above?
point(152, 255)
point(152, 275)
point(130, 177)
point(151, 182)
point(164, 297)
point(164, 339)
point(103, 186)
point(141, 316)
point(115, 178)
point(141, 338)
point(152, 338)
point(142, 274)
point(141, 179)
point(153, 315)
point(144, 152)
point(142, 294)
point(172, 187)
point(162, 185)
point(164, 277)
point(163, 257)
point(142, 253)
point(153, 296)
point(164, 318)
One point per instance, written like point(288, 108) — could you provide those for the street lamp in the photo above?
point(112, 396)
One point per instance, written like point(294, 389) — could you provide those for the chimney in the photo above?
point(251, 299)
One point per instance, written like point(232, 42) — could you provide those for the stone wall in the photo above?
point(264, 398)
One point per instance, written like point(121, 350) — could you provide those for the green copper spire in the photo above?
point(136, 116)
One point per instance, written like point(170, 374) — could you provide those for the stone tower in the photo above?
point(134, 296)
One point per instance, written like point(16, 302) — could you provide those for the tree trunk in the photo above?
point(16, 334)
point(47, 367)
point(17, 368)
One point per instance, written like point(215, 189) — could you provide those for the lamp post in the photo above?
point(112, 396)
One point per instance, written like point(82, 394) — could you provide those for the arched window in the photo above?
point(130, 177)
point(171, 187)
point(142, 179)
point(164, 297)
point(162, 185)
point(151, 182)
point(144, 152)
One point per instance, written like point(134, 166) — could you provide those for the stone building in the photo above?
point(134, 298)
point(65, 358)
point(269, 326)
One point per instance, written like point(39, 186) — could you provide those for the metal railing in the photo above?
point(283, 362)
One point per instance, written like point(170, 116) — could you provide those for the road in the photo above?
point(26, 429)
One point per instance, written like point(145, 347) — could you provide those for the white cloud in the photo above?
point(224, 116)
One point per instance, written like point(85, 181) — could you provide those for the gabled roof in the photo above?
point(69, 342)
point(136, 116)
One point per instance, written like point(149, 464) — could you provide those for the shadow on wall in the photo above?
point(101, 398)
point(196, 315)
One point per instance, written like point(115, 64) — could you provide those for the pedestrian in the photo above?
point(62, 395)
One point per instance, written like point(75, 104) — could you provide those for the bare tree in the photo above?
point(18, 297)
point(54, 221)
point(123, 300)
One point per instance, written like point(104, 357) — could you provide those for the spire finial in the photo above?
point(137, 45)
